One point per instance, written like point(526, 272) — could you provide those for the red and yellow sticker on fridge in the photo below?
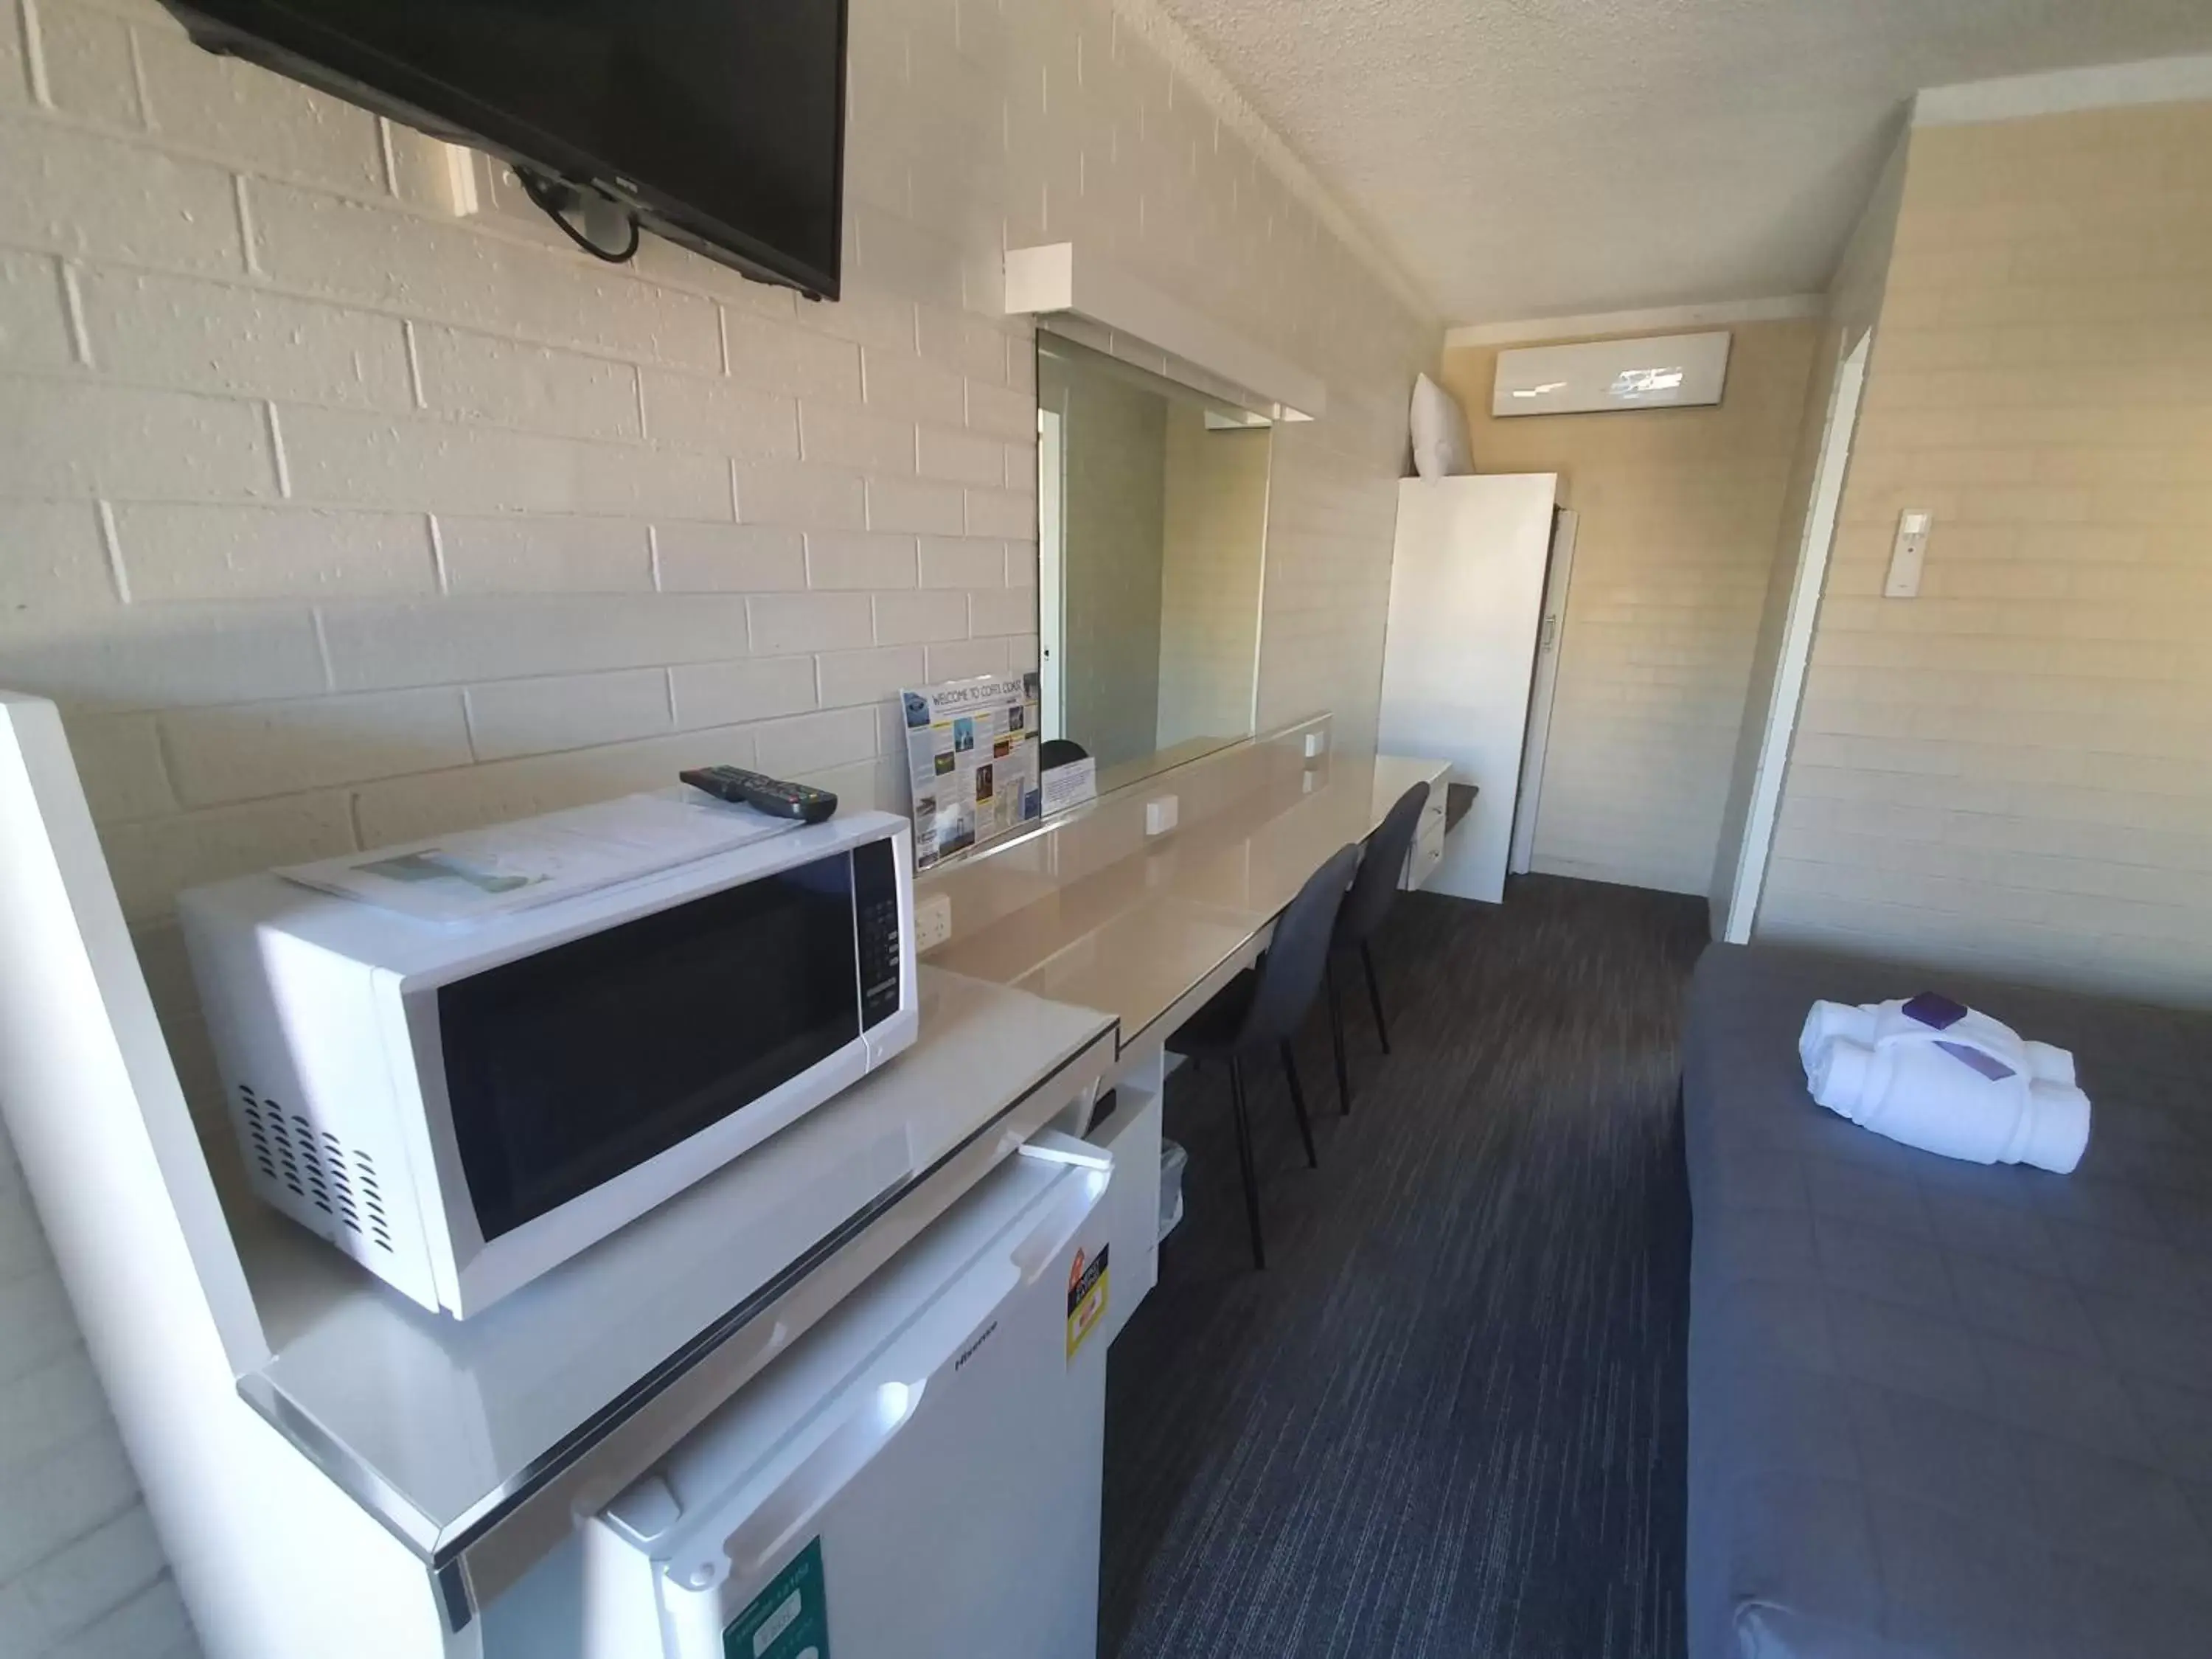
point(1087, 1297)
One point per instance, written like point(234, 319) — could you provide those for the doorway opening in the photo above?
point(1797, 650)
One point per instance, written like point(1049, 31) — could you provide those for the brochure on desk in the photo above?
point(971, 750)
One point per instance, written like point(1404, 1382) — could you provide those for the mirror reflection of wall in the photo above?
point(1153, 521)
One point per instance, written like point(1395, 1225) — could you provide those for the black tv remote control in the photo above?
point(772, 796)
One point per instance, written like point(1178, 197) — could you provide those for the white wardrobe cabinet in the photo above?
point(1467, 600)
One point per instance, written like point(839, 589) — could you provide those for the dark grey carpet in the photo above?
point(1447, 1419)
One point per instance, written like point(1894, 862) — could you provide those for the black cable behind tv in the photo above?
point(717, 123)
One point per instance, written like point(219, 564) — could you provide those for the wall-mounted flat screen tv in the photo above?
point(720, 124)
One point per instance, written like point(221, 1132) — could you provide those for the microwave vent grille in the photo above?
point(315, 1167)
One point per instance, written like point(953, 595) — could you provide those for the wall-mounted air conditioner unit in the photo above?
point(1672, 371)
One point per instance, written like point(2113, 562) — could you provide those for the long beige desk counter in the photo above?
point(1154, 933)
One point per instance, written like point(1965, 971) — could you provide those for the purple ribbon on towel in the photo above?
point(1938, 1013)
point(1987, 1065)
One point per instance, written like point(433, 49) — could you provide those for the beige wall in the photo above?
point(2011, 770)
point(1216, 525)
point(1678, 511)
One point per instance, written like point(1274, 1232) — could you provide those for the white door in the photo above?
point(1467, 592)
point(1781, 713)
point(1549, 633)
point(1052, 564)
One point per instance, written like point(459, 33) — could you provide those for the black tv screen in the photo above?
point(719, 123)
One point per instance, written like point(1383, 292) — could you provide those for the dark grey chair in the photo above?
point(1263, 1005)
point(1373, 891)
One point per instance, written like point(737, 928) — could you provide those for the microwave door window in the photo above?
point(572, 1065)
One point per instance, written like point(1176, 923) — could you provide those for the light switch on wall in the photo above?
point(1908, 554)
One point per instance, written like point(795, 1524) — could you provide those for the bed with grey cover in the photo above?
point(1940, 1409)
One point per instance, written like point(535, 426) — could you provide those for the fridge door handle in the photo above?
point(1060, 1222)
point(767, 1534)
point(1051, 1146)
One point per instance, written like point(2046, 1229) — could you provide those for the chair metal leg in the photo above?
point(1298, 1101)
point(1336, 1041)
point(1244, 1161)
point(1374, 994)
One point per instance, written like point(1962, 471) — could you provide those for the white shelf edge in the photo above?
point(1063, 278)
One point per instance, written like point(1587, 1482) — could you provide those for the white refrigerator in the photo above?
point(919, 1475)
point(1460, 681)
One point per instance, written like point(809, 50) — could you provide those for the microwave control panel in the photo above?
point(876, 916)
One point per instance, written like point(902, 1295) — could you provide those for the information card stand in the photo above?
point(971, 750)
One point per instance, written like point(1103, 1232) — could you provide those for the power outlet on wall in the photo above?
point(477, 186)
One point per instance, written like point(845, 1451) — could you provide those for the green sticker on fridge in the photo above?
point(789, 1619)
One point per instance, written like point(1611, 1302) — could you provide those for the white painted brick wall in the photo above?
point(536, 388)
point(72, 440)
point(213, 336)
point(865, 559)
point(960, 457)
point(920, 505)
point(821, 497)
point(167, 551)
point(331, 521)
point(527, 554)
point(2008, 772)
point(570, 711)
point(712, 694)
point(955, 562)
point(714, 558)
point(34, 325)
point(247, 752)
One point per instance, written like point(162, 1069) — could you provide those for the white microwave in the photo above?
point(460, 1111)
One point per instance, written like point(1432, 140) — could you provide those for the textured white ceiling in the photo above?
point(1529, 158)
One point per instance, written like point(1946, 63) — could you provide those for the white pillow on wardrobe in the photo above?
point(1440, 448)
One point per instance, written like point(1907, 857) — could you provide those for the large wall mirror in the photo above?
point(1152, 524)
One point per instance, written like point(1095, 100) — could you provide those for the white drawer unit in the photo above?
point(1428, 849)
point(1394, 775)
point(1132, 1204)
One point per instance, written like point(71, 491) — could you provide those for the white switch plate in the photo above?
point(1316, 744)
point(1908, 554)
point(480, 187)
point(932, 922)
point(1160, 815)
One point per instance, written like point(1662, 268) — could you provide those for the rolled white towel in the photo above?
point(1954, 1101)
point(2050, 1064)
point(1839, 1072)
point(1830, 1020)
point(1934, 1020)
point(2055, 1132)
